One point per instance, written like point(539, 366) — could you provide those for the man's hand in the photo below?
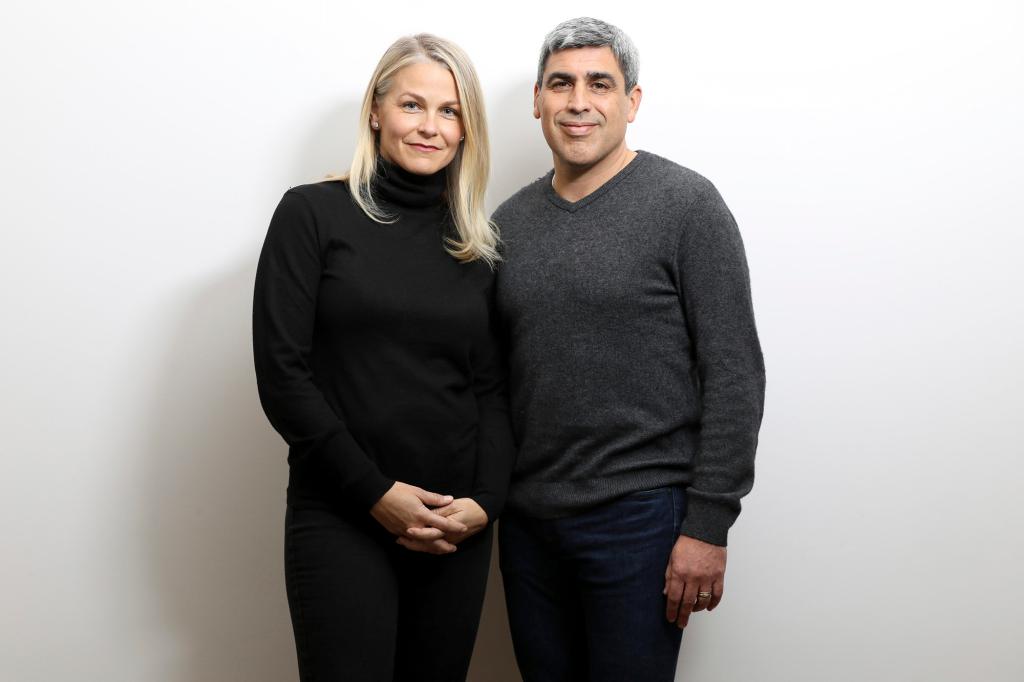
point(694, 579)
point(404, 508)
point(464, 510)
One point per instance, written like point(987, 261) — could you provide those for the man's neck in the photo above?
point(572, 183)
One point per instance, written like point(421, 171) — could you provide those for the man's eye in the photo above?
point(600, 86)
point(560, 84)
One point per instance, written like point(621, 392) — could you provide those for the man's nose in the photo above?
point(578, 101)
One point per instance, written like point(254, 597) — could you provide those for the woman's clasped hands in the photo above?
point(428, 522)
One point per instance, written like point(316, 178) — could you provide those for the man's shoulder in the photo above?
point(670, 190)
point(671, 175)
point(523, 202)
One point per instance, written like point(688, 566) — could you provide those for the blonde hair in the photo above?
point(477, 237)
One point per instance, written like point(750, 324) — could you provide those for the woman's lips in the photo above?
point(424, 147)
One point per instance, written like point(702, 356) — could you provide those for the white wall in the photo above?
point(871, 152)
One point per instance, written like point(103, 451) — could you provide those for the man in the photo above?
point(636, 379)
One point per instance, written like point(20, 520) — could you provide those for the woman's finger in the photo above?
point(429, 518)
point(432, 499)
point(424, 533)
point(448, 509)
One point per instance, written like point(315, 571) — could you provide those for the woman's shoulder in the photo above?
point(315, 210)
point(328, 192)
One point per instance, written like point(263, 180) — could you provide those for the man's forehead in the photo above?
point(581, 60)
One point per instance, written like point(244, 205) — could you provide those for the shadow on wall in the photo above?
point(216, 481)
point(215, 473)
point(519, 154)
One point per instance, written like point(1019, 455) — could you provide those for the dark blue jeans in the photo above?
point(584, 593)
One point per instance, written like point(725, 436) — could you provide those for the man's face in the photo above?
point(583, 105)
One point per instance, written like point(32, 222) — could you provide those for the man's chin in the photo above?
point(579, 158)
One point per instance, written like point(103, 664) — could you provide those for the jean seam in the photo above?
point(676, 520)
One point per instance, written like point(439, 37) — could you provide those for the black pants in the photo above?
point(365, 609)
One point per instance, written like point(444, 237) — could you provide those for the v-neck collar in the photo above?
point(573, 206)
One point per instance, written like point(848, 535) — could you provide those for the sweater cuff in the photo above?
point(367, 491)
point(356, 477)
point(707, 521)
point(490, 503)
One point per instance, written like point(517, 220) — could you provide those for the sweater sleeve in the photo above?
point(714, 288)
point(495, 448)
point(283, 321)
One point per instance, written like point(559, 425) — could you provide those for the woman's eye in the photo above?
point(448, 111)
point(410, 105)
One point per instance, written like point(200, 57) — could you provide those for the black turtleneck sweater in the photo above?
point(376, 353)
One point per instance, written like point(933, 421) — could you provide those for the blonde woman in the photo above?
point(377, 362)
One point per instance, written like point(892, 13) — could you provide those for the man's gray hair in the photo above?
point(588, 32)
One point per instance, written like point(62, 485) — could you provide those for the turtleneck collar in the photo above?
point(398, 186)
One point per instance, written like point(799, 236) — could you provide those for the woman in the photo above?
point(377, 362)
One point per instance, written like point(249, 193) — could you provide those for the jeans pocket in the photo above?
point(647, 494)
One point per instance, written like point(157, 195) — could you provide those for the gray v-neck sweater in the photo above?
point(634, 359)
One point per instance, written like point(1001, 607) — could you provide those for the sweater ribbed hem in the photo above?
point(556, 499)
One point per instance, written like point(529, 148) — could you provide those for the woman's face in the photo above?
point(419, 118)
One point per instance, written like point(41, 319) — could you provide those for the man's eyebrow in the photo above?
point(600, 76)
point(560, 76)
point(591, 76)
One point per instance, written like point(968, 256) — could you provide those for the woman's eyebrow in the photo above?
point(421, 98)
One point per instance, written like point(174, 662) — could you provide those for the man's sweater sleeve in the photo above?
point(714, 288)
point(495, 448)
point(283, 320)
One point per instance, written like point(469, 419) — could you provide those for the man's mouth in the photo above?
point(578, 128)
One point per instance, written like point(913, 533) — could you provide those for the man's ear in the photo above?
point(536, 104)
point(635, 95)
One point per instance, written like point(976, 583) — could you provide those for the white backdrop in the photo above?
point(871, 153)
